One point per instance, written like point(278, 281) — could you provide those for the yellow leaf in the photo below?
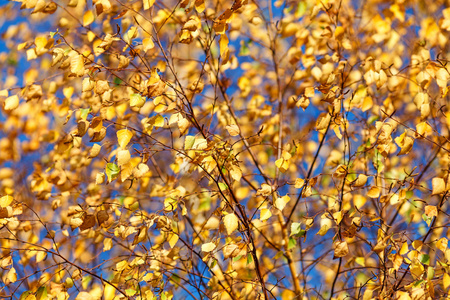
point(208, 247)
point(147, 43)
point(339, 32)
point(123, 137)
point(109, 292)
point(360, 261)
point(374, 192)
point(148, 4)
point(148, 295)
point(431, 211)
point(404, 249)
point(341, 171)
point(231, 223)
point(367, 104)
point(123, 157)
point(405, 143)
point(323, 230)
point(223, 44)
point(233, 130)
point(77, 65)
point(397, 261)
point(303, 102)
point(337, 216)
point(11, 276)
point(99, 178)
point(423, 130)
point(309, 92)
point(265, 190)
point(438, 185)
point(417, 269)
point(107, 244)
point(299, 183)
point(40, 256)
point(95, 150)
point(322, 121)
point(200, 144)
point(417, 244)
point(340, 249)
point(136, 100)
point(200, 6)
point(140, 170)
point(236, 173)
point(446, 280)
point(88, 18)
point(265, 214)
point(12, 102)
point(280, 203)
point(6, 201)
point(173, 240)
point(442, 244)
point(183, 125)
point(400, 295)
point(360, 181)
point(282, 164)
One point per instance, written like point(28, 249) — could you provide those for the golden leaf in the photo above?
point(6, 201)
point(265, 190)
point(340, 249)
point(123, 157)
point(208, 247)
point(438, 185)
point(77, 65)
point(233, 129)
point(231, 223)
point(265, 214)
point(148, 4)
point(11, 102)
point(446, 280)
point(374, 192)
point(442, 244)
point(88, 18)
point(123, 137)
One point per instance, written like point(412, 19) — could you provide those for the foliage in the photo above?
point(224, 150)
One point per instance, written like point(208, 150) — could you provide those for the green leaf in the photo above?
point(136, 100)
point(117, 81)
point(25, 295)
point(189, 142)
point(296, 228)
point(84, 113)
point(112, 171)
point(235, 259)
point(424, 259)
point(130, 292)
point(249, 258)
point(175, 278)
point(41, 293)
point(292, 243)
point(427, 219)
point(301, 9)
point(223, 186)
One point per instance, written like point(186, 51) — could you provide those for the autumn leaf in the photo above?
point(124, 136)
point(438, 186)
point(231, 223)
point(208, 247)
point(233, 130)
point(77, 65)
point(112, 171)
point(11, 102)
point(340, 249)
